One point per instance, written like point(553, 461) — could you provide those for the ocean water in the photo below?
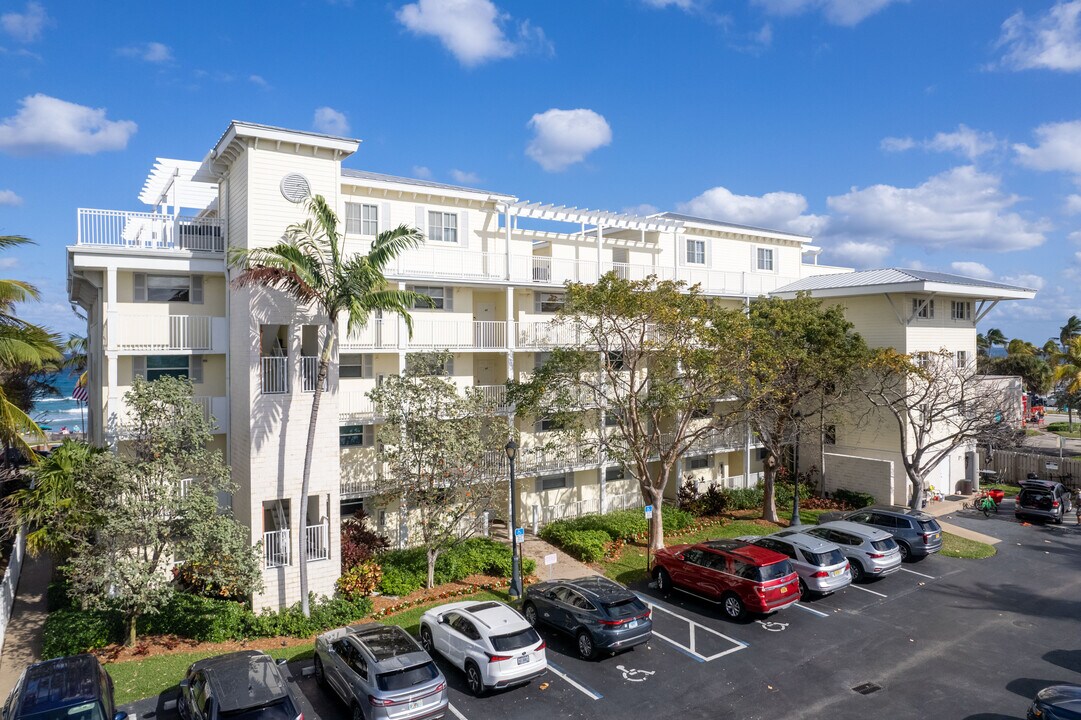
point(63, 410)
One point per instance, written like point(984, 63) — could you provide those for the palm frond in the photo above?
point(390, 243)
point(10, 241)
point(15, 425)
point(16, 291)
point(398, 302)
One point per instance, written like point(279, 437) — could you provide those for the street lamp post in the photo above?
point(515, 589)
point(795, 478)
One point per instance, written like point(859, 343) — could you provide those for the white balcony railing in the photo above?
point(544, 334)
point(496, 395)
point(552, 271)
point(151, 231)
point(160, 332)
point(316, 541)
point(274, 372)
point(309, 373)
point(440, 334)
point(431, 261)
point(375, 335)
point(355, 405)
point(276, 546)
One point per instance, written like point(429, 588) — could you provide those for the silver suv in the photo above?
point(870, 552)
point(820, 564)
point(380, 671)
point(1043, 499)
point(917, 533)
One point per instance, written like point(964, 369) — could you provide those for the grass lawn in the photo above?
point(136, 679)
point(1063, 429)
point(959, 547)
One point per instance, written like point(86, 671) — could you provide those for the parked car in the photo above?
point(70, 688)
point(1057, 702)
point(917, 533)
point(380, 671)
point(740, 576)
point(871, 552)
point(600, 614)
point(1043, 499)
point(245, 685)
point(821, 566)
point(490, 642)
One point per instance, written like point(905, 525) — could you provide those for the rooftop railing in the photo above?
point(150, 231)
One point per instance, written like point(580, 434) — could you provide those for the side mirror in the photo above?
point(282, 661)
point(120, 715)
point(441, 620)
point(184, 684)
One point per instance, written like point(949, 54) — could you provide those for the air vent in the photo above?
point(295, 187)
point(867, 688)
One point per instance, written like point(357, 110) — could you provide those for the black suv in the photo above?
point(242, 685)
point(917, 533)
point(71, 688)
point(1044, 499)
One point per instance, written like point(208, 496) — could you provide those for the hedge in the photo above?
point(407, 570)
point(853, 499)
point(586, 545)
point(588, 536)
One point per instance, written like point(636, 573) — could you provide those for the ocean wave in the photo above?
point(42, 401)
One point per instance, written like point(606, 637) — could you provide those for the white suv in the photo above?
point(491, 643)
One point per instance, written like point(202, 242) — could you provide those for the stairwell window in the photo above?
point(443, 227)
point(765, 259)
point(696, 252)
point(960, 310)
point(923, 309)
point(962, 359)
point(361, 219)
point(356, 436)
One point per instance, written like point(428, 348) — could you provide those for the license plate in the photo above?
point(416, 704)
point(523, 660)
point(632, 624)
point(935, 536)
point(784, 589)
point(835, 573)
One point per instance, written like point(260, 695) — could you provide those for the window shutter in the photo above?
point(448, 298)
point(195, 369)
point(422, 220)
point(463, 228)
point(681, 250)
point(538, 486)
point(384, 217)
point(196, 294)
point(568, 479)
point(708, 253)
point(450, 366)
point(138, 366)
point(366, 366)
point(139, 293)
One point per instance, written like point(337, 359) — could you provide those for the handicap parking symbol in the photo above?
point(634, 675)
point(772, 626)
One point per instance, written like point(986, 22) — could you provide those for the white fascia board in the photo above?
point(917, 286)
point(735, 230)
point(988, 293)
point(240, 129)
point(422, 190)
point(96, 258)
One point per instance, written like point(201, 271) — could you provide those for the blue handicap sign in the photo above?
point(519, 534)
point(649, 511)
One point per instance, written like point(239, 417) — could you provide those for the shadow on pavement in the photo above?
point(1068, 659)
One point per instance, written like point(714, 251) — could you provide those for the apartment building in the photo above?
point(155, 288)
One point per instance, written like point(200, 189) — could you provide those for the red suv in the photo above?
point(741, 576)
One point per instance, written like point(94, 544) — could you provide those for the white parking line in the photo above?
point(819, 613)
point(455, 711)
point(589, 693)
point(913, 572)
point(692, 626)
point(857, 587)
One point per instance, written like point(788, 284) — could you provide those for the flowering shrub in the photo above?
point(360, 580)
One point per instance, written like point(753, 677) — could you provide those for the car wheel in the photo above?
point(803, 591)
point(530, 612)
point(857, 570)
point(585, 645)
point(1058, 520)
point(320, 672)
point(474, 680)
point(733, 606)
point(426, 639)
point(906, 554)
point(358, 714)
point(664, 582)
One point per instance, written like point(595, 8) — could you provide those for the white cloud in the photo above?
point(964, 141)
point(48, 125)
point(8, 263)
point(1075, 236)
point(564, 137)
point(681, 4)
point(259, 80)
point(837, 12)
point(858, 254)
point(641, 210)
point(775, 210)
point(330, 121)
point(960, 208)
point(151, 52)
point(464, 178)
point(8, 197)
point(1059, 148)
point(1051, 41)
point(972, 269)
point(422, 172)
point(472, 30)
point(1073, 204)
point(1027, 280)
point(25, 27)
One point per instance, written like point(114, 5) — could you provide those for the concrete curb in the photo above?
point(968, 534)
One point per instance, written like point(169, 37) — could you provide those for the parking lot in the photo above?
point(943, 638)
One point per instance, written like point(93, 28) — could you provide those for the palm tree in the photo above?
point(1068, 371)
point(1017, 346)
point(310, 267)
point(75, 352)
point(1050, 347)
point(996, 337)
point(982, 344)
point(1070, 330)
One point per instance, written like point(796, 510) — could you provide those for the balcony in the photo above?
point(459, 334)
point(215, 411)
point(118, 418)
point(150, 231)
point(157, 333)
point(496, 395)
point(276, 546)
point(544, 334)
point(437, 262)
point(317, 541)
point(355, 406)
point(376, 335)
point(309, 373)
point(274, 375)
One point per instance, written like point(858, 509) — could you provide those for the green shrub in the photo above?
point(745, 498)
point(72, 631)
point(398, 579)
point(407, 570)
point(360, 580)
point(586, 545)
point(56, 596)
point(199, 618)
point(852, 498)
point(675, 519)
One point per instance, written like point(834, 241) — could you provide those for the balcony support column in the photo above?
point(600, 249)
point(506, 229)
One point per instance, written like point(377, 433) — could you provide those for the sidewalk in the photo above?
point(22, 642)
point(949, 507)
point(565, 567)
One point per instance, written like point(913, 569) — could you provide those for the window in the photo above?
point(611, 418)
point(548, 302)
point(697, 463)
point(428, 364)
point(540, 358)
point(696, 252)
point(924, 309)
point(693, 556)
point(765, 259)
point(960, 310)
point(441, 298)
point(552, 482)
point(701, 411)
point(167, 288)
point(830, 435)
point(361, 219)
point(443, 227)
point(615, 360)
point(356, 436)
point(962, 359)
point(922, 359)
point(355, 366)
point(615, 472)
point(546, 425)
point(152, 367)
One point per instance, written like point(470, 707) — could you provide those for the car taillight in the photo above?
point(299, 717)
point(1054, 504)
point(876, 556)
point(541, 646)
point(498, 658)
point(613, 623)
point(820, 574)
point(380, 702)
point(442, 686)
point(647, 614)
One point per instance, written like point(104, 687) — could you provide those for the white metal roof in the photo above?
point(562, 213)
point(382, 178)
point(867, 282)
point(733, 227)
point(170, 182)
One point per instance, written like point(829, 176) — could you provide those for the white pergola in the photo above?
point(169, 187)
point(598, 218)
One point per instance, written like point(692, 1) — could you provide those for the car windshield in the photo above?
point(406, 677)
point(86, 711)
point(625, 608)
point(280, 710)
point(775, 571)
point(515, 641)
point(930, 525)
point(824, 559)
point(887, 544)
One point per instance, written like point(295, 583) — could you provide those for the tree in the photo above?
point(660, 359)
point(311, 267)
point(937, 408)
point(803, 357)
point(156, 500)
point(435, 442)
point(1069, 331)
point(982, 344)
point(1067, 372)
point(1036, 373)
point(996, 337)
point(56, 509)
point(1017, 346)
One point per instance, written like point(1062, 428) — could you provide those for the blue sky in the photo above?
point(942, 134)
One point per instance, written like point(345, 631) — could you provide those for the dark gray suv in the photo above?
point(917, 533)
point(1044, 499)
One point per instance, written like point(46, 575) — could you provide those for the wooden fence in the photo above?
point(1014, 467)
